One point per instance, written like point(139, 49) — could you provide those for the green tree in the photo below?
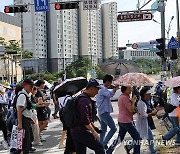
point(45, 76)
point(100, 73)
point(148, 66)
point(79, 67)
point(27, 54)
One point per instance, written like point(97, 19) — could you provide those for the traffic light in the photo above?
point(63, 6)
point(15, 9)
point(161, 46)
point(174, 54)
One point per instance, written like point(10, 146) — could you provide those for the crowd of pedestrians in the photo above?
point(30, 105)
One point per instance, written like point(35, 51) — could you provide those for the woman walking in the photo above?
point(144, 121)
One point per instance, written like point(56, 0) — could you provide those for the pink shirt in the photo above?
point(125, 116)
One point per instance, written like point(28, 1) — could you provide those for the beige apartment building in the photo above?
point(10, 29)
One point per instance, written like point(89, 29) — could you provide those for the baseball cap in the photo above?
point(29, 81)
point(93, 83)
point(12, 85)
point(149, 91)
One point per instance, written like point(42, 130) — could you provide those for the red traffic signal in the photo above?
point(15, 9)
point(62, 6)
point(57, 6)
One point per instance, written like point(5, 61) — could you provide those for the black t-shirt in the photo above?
point(38, 95)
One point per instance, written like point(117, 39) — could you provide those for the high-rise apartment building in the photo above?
point(34, 34)
point(34, 30)
point(90, 34)
point(110, 30)
point(62, 38)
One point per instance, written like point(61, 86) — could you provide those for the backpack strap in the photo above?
point(26, 99)
point(62, 105)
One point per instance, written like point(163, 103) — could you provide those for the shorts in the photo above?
point(42, 114)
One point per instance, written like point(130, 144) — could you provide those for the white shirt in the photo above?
point(3, 99)
point(21, 101)
point(174, 101)
point(63, 100)
point(141, 120)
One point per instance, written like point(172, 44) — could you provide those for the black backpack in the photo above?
point(169, 108)
point(12, 114)
point(70, 112)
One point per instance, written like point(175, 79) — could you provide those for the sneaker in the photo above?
point(38, 144)
point(127, 150)
point(32, 150)
point(42, 139)
point(5, 145)
point(61, 146)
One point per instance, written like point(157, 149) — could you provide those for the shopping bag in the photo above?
point(167, 123)
point(17, 137)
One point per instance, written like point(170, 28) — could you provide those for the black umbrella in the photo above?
point(78, 83)
point(119, 67)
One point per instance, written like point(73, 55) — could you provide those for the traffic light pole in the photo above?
point(163, 30)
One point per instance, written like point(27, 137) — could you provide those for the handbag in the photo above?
point(17, 137)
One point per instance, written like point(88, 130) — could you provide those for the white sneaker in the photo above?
point(5, 145)
point(38, 144)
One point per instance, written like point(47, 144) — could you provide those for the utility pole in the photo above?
point(162, 9)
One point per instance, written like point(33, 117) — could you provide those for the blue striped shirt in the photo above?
point(103, 100)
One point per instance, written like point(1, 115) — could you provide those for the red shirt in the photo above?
point(124, 103)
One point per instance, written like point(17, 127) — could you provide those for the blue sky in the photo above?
point(139, 31)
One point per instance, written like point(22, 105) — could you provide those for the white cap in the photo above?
point(149, 91)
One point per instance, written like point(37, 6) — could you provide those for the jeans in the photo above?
point(131, 129)
point(48, 112)
point(151, 142)
point(86, 139)
point(107, 120)
point(56, 105)
point(173, 131)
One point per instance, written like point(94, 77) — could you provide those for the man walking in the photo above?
point(104, 110)
point(24, 114)
point(84, 134)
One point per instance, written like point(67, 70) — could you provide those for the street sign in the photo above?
point(41, 5)
point(154, 6)
point(128, 17)
point(134, 45)
point(90, 4)
point(173, 43)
